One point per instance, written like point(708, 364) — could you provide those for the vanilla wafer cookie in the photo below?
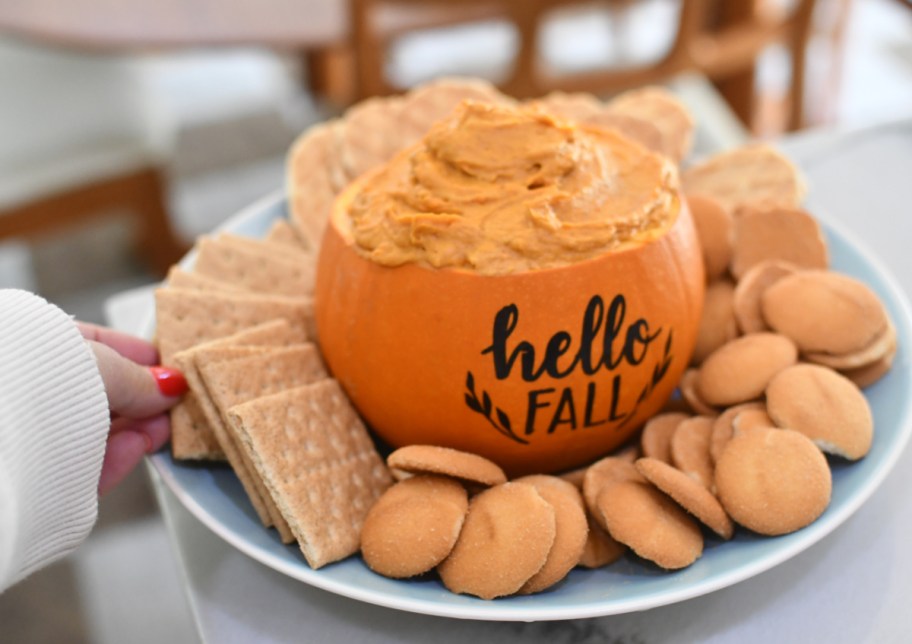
point(689, 494)
point(601, 548)
point(824, 312)
point(432, 459)
point(641, 517)
point(507, 535)
point(600, 476)
point(877, 349)
point(749, 290)
point(823, 405)
point(739, 371)
point(724, 428)
point(571, 530)
point(691, 394)
point(655, 441)
point(717, 323)
point(773, 481)
point(414, 525)
point(315, 456)
point(690, 449)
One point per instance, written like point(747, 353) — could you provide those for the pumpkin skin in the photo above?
point(511, 367)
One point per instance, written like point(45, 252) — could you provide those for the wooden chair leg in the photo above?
point(140, 192)
point(156, 241)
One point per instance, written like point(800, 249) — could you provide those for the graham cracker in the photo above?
point(283, 233)
point(256, 268)
point(191, 434)
point(190, 438)
point(232, 378)
point(186, 318)
point(179, 278)
point(262, 246)
point(315, 456)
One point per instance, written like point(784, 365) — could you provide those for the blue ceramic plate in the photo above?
point(215, 496)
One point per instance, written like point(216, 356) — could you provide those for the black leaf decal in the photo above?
point(486, 403)
point(473, 404)
point(504, 419)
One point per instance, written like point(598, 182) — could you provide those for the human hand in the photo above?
point(139, 393)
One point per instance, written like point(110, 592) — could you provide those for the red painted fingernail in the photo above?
point(171, 382)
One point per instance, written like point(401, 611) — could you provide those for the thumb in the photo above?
point(136, 391)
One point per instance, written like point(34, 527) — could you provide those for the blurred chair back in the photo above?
point(714, 37)
point(78, 143)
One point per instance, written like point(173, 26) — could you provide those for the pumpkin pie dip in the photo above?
point(499, 189)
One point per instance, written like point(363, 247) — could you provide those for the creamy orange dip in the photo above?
point(497, 189)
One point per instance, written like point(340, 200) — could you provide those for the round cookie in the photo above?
point(413, 526)
point(823, 405)
point(603, 474)
point(882, 345)
point(571, 530)
point(431, 459)
point(655, 440)
point(740, 371)
point(750, 289)
point(714, 229)
point(773, 481)
point(690, 449)
point(505, 539)
point(723, 427)
point(601, 549)
point(717, 324)
point(824, 312)
point(651, 524)
point(750, 419)
point(786, 234)
point(869, 374)
point(689, 494)
point(691, 395)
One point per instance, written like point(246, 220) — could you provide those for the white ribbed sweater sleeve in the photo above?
point(54, 421)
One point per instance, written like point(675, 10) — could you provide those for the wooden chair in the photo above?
point(76, 147)
point(717, 38)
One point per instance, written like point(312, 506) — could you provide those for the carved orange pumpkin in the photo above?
point(538, 370)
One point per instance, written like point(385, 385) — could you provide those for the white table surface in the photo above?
point(853, 586)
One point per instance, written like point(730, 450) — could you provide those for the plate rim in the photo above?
point(500, 610)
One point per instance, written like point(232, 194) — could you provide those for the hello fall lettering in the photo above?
point(606, 341)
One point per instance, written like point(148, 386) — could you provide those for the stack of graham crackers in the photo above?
point(238, 326)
